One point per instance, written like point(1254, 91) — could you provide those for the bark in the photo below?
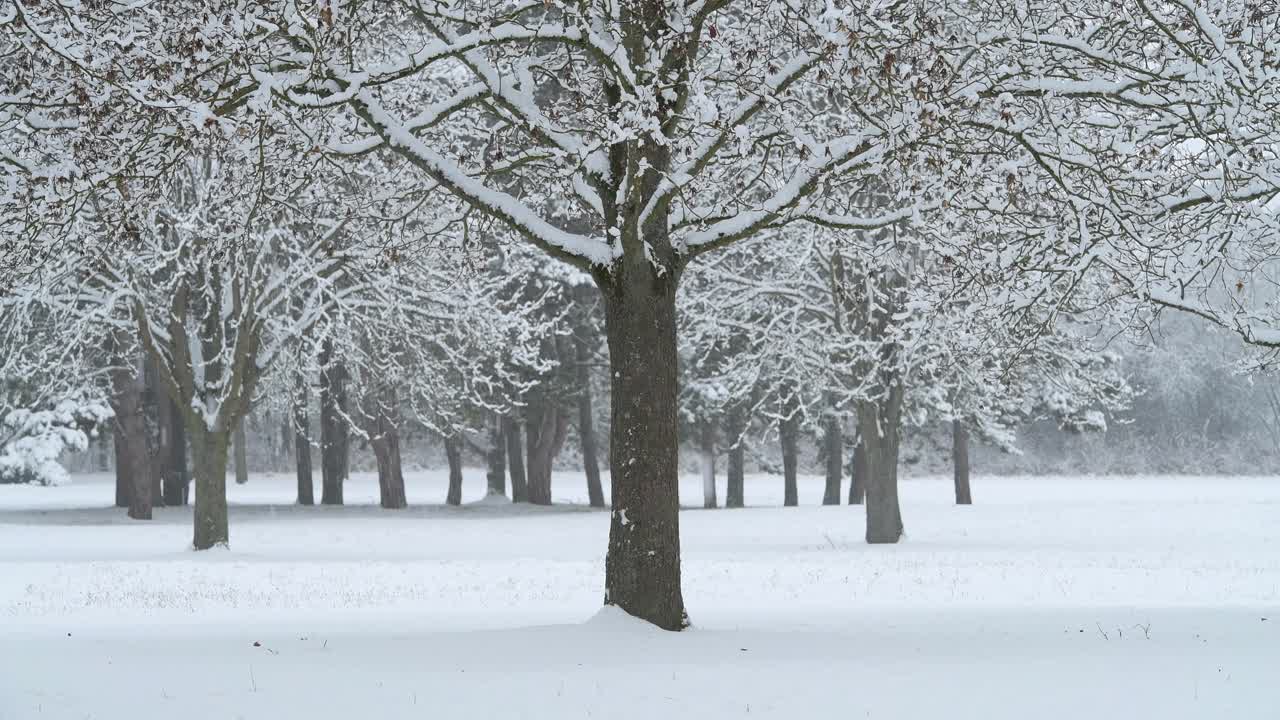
point(707, 446)
point(833, 450)
point(155, 405)
point(378, 414)
point(133, 463)
point(386, 449)
point(124, 471)
point(515, 458)
point(496, 458)
point(334, 440)
point(302, 445)
point(642, 567)
point(453, 451)
point(736, 480)
point(161, 455)
point(787, 434)
point(287, 441)
point(121, 403)
point(587, 425)
point(242, 454)
point(209, 450)
point(879, 428)
point(176, 477)
point(960, 458)
point(546, 428)
point(104, 460)
point(858, 479)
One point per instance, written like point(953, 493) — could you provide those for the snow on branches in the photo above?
point(1136, 141)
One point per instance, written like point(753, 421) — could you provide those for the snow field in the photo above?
point(1050, 598)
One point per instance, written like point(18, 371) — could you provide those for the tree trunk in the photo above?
point(176, 477)
point(209, 450)
point(538, 489)
point(735, 484)
point(960, 456)
point(386, 450)
point(879, 430)
point(121, 404)
point(788, 430)
point(104, 460)
point(390, 473)
point(496, 458)
point(287, 441)
point(642, 567)
point(587, 425)
point(133, 463)
point(124, 471)
point(515, 458)
point(334, 441)
point(161, 455)
point(708, 462)
point(302, 444)
point(546, 428)
point(858, 479)
point(155, 406)
point(833, 449)
point(453, 451)
point(242, 454)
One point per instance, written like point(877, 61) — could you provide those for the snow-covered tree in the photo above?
point(442, 346)
point(53, 394)
point(1029, 143)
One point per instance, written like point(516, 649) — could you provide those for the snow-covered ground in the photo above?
point(1050, 598)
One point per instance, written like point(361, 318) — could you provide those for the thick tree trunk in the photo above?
point(587, 425)
point(546, 428)
point(242, 454)
point(642, 568)
point(453, 451)
point(393, 495)
point(858, 475)
point(176, 478)
point(833, 450)
point(735, 483)
point(209, 450)
point(960, 457)
point(386, 449)
point(334, 441)
point(515, 458)
point(707, 459)
point(133, 463)
point(879, 430)
point(496, 458)
point(538, 489)
point(124, 471)
point(302, 445)
point(787, 433)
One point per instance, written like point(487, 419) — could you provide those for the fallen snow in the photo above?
point(1051, 598)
